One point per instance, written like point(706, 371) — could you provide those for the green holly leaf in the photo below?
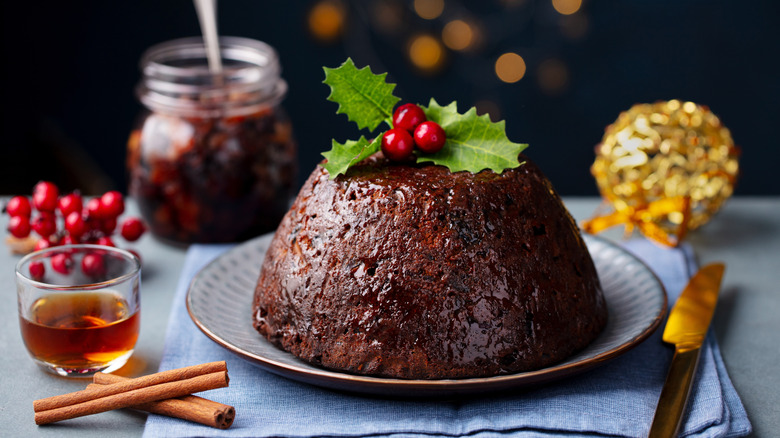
point(344, 155)
point(367, 99)
point(474, 143)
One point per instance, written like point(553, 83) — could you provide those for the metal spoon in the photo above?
point(207, 16)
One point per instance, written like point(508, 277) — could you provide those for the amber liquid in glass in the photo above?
point(80, 329)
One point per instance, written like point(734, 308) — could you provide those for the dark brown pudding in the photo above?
point(411, 271)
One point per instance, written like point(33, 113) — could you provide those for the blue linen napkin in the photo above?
point(616, 399)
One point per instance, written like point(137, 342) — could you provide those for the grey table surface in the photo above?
point(745, 235)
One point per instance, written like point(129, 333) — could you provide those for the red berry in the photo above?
point(429, 137)
point(105, 241)
point(62, 263)
point(397, 144)
point(19, 226)
point(70, 203)
point(18, 206)
point(44, 224)
point(94, 209)
point(43, 243)
point(75, 225)
point(113, 204)
point(68, 240)
point(108, 226)
point(408, 116)
point(37, 270)
point(132, 229)
point(93, 265)
point(45, 196)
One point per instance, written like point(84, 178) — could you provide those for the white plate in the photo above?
point(219, 301)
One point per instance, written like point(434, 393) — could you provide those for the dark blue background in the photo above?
point(69, 70)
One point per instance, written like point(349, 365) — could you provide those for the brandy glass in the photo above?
point(79, 307)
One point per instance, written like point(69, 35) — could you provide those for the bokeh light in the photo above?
point(567, 7)
point(553, 76)
point(510, 67)
point(429, 9)
point(426, 53)
point(458, 35)
point(327, 20)
point(387, 16)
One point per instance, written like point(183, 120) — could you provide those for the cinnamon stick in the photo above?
point(129, 385)
point(190, 407)
point(160, 386)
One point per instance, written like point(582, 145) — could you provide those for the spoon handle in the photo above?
point(207, 16)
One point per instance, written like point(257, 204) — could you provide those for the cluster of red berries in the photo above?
point(411, 129)
point(93, 222)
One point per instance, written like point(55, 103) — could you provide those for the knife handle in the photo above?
point(674, 395)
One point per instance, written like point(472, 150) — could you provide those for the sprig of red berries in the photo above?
point(472, 142)
point(411, 129)
point(94, 222)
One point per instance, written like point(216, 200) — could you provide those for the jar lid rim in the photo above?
point(176, 76)
point(252, 52)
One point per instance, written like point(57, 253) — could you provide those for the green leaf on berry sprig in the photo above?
point(474, 143)
point(343, 156)
point(367, 99)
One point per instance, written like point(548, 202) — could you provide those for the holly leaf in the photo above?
point(367, 99)
point(474, 143)
point(344, 155)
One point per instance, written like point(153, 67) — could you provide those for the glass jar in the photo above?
point(212, 159)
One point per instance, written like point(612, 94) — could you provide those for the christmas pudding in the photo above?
point(409, 269)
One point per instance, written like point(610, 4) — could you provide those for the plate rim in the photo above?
point(438, 387)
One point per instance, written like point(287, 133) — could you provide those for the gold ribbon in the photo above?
point(646, 217)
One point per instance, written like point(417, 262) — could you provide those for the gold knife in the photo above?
point(686, 329)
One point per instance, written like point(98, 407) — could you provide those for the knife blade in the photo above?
point(686, 329)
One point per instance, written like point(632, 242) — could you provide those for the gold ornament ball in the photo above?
point(665, 150)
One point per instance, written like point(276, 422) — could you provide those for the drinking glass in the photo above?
point(79, 307)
